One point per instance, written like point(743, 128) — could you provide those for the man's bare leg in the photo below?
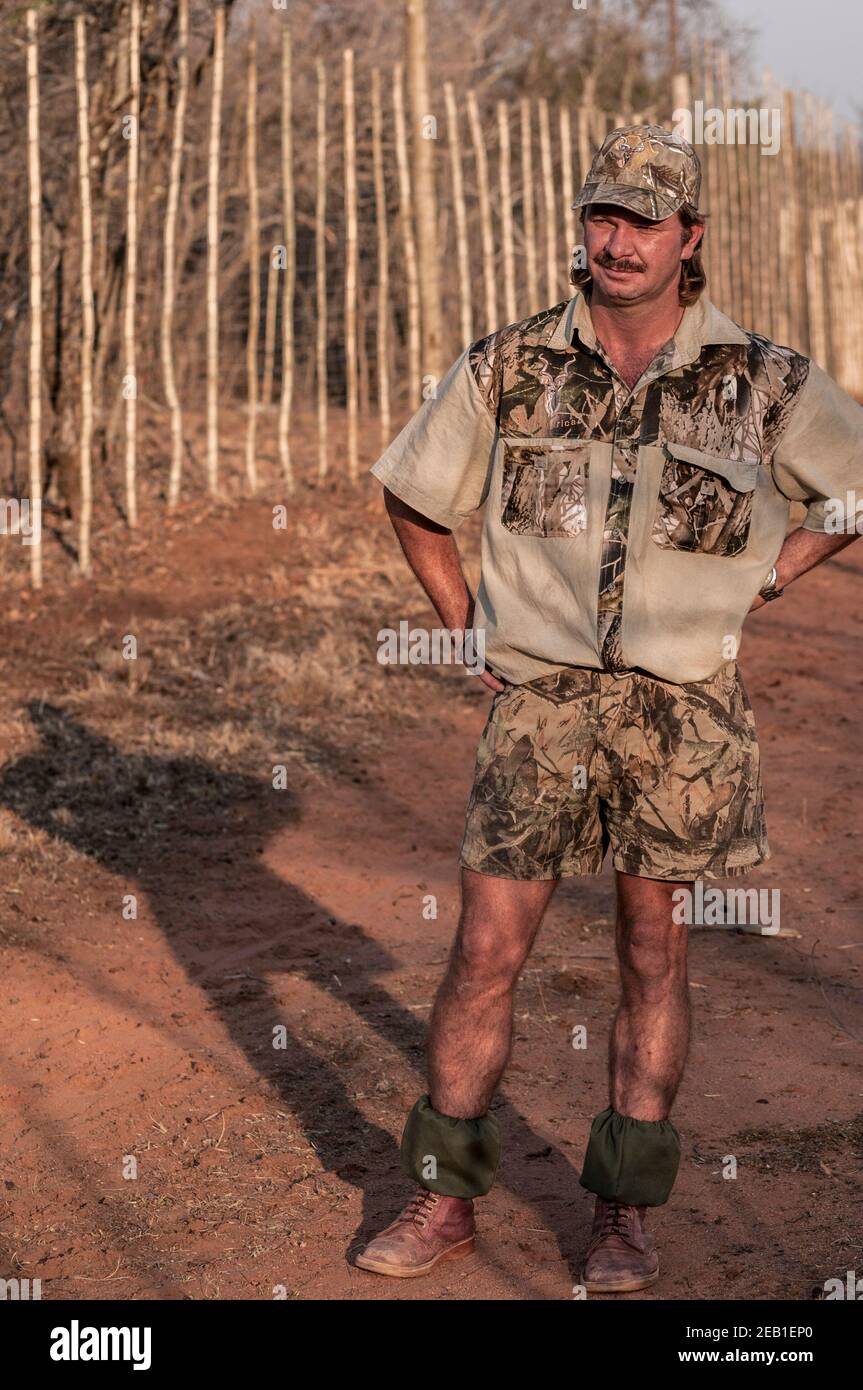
point(469, 1044)
point(650, 1036)
point(470, 1034)
point(647, 1054)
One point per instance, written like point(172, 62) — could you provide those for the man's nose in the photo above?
point(619, 244)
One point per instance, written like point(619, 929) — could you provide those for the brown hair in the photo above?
point(693, 276)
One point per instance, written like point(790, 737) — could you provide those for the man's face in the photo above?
point(631, 258)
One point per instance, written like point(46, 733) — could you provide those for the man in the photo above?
point(636, 454)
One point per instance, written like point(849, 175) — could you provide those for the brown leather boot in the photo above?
point(431, 1228)
point(621, 1256)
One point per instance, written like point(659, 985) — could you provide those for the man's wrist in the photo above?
point(769, 589)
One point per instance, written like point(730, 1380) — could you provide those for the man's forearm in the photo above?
point(432, 554)
point(802, 551)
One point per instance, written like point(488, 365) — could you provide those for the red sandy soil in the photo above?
point(258, 1169)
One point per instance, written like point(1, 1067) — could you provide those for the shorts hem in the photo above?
point(690, 872)
point(588, 864)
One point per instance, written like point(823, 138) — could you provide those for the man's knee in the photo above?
point(484, 959)
point(652, 953)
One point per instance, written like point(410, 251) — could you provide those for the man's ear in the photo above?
point(691, 245)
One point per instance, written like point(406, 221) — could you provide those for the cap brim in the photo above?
point(640, 200)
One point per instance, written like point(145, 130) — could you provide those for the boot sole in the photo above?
point(622, 1286)
point(464, 1247)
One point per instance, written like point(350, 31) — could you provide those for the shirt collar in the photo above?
point(702, 323)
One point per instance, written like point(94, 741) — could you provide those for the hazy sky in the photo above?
point(817, 44)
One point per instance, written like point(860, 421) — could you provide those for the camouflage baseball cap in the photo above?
point(652, 171)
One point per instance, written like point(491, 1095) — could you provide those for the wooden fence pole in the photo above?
point(213, 252)
point(254, 324)
point(834, 323)
point(818, 344)
point(770, 199)
point(747, 209)
point(130, 378)
point(170, 257)
point(552, 255)
point(850, 181)
point(786, 297)
point(351, 257)
point(798, 233)
point(88, 320)
point(290, 269)
point(423, 148)
point(506, 226)
point(722, 208)
point(465, 297)
point(709, 197)
point(485, 222)
point(805, 171)
point(383, 241)
point(271, 311)
point(34, 171)
point(566, 186)
point(528, 215)
point(585, 152)
point(321, 266)
point(409, 240)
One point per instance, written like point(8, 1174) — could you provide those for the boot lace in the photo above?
point(616, 1221)
point(420, 1207)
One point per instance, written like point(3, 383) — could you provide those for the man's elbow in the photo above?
point(398, 510)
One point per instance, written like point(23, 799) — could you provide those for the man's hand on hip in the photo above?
point(802, 551)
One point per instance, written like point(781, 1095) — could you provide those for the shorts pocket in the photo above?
point(544, 489)
point(705, 502)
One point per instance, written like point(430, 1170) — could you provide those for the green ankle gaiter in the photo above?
point(629, 1160)
point(457, 1158)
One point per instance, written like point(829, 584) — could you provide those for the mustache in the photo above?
point(609, 263)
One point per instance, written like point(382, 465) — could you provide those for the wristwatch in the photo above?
point(768, 589)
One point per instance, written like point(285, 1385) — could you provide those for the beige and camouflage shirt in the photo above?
point(625, 529)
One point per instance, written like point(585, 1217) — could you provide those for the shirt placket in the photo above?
point(629, 407)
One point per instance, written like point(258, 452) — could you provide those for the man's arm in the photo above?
point(801, 552)
point(432, 554)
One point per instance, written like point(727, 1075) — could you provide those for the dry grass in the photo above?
point(292, 669)
point(239, 667)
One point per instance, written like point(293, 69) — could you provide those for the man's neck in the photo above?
point(632, 334)
point(649, 323)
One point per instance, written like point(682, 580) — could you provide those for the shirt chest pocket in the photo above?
point(544, 488)
point(705, 502)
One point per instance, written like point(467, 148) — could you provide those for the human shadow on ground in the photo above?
point(188, 835)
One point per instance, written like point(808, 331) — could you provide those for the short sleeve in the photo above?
point(440, 464)
point(820, 454)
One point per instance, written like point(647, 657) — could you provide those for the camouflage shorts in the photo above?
point(667, 775)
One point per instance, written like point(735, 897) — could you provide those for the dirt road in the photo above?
point(216, 989)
